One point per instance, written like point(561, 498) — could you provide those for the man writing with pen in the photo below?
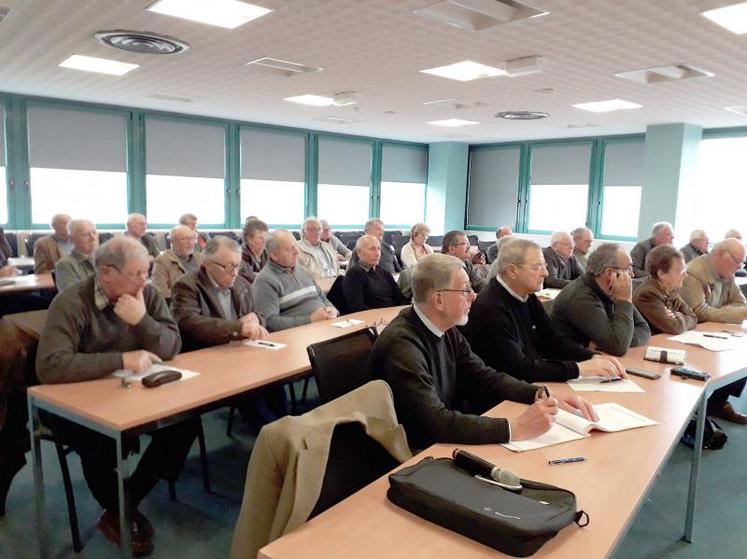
point(440, 387)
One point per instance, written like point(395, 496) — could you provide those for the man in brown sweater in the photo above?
point(111, 321)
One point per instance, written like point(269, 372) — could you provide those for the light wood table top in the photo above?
point(325, 284)
point(610, 485)
point(29, 282)
point(21, 262)
point(226, 370)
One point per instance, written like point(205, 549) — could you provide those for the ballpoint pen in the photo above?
point(611, 379)
point(566, 460)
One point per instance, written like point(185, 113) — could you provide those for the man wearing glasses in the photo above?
point(439, 385)
point(562, 266)
point(114, 320)
point(456, 243)
point(597, 307)
point(712, 294)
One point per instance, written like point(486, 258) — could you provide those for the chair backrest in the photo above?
point(483, 246)
point(472, 240)
point(400, 241)
point(336, 296)
point(435, 240)
point(341, 364)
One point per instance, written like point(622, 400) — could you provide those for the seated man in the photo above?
point(597, 307)
point(510, 330)
point(698, 245)
point(455, 243)
point(343, 252)
point(48, 250)
point(317, 257)
point(285, 294)
point(366, 285)
point(201, 239)
point(492, 253)
point(114, 320)
point(136, 228)
point(389, 261)
point(662, 233)
point(78, 264)
point(253, 254)
point(562, 266)
point(6, 270)
point(435, 377)
point(173, 263)
point(733, 234)
point(582, 239)
point(710, 291)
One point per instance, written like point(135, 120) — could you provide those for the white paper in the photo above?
point(155, 368)
point(547, 293)
point(593, 384)
point(723, 342)
point(264, 344)
point(347, 323)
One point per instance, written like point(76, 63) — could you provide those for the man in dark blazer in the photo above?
point(562, 266)
point(509, 328)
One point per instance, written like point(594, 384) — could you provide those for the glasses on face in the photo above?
point(737, 263)
point(228, 268)
point(534, 267)
point(628, 270)
point(138, 280)
point(467, 290)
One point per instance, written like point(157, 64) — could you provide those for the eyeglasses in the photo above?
point(534, 267)
point(629, 269)
point(139, 280)
point(736, 262)
point(468, 290)
point(228, 268)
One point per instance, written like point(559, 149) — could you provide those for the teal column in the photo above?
point(669, 162)
point(446, 192)
point(17, 165)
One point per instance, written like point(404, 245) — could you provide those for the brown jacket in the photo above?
point(698, 289)
point(46, 254)
point(168, 269)
point(664, 311)
point(289, 459)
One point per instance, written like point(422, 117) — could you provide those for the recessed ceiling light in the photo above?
point(521, 115)
point(453, 122)
point(285, 66)
point(607, 106)
point(173, 97)
point(229, 14)
point(732, 18)
point(740, 110)
point(475, 15)
point(98, 65)
point(669, 72)
point(313, 100)
point(465, 71)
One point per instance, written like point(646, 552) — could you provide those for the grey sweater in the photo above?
point(81, 342)
point(286, 297)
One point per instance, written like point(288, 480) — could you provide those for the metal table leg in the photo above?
point(36, 457)
point(694, 470)
point(123, 489)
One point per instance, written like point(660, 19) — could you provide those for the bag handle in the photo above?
point(579, 516)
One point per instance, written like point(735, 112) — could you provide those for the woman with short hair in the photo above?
point(416, 249)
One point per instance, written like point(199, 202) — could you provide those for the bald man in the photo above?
point(492, 253)
point(172, 264)
point(48, 250)
point(562, 266)
point(137, 225)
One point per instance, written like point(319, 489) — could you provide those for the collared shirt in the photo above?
point(511, 292)
point(428, 324)
point(225, 300)
point(189, 262)
point(365, 266)
point(322, 256)
point(66, 246)
point(100, 298)
point(72, 268)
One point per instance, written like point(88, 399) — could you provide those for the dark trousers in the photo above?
point(721, 395)
point(163, 459)
point(264, 406)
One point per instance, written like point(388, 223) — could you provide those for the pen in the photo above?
point(547, 391)
point(566, 460)
point(715, 336)
point(268, 344)
point(611, 379)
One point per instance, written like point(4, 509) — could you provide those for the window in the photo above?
point(404, 171)
point(344, 190)
point(721, 176)
point(623, 177)
point(78, 164)
point(185, 164)
point(273, 171)
point(559, 187)
point(493, 186)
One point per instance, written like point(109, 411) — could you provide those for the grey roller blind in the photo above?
point(404, 164)
point(273, 156)
point(184, 149)
point(623, 163)
point(561, 164)
point(493, 186)
point(2, 136)
point(344, 162)
point(68, 139)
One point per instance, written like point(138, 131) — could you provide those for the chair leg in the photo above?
point(70, 496)
point(294, 403)
point(305, 389)
point(229, 427)
point(203, 458)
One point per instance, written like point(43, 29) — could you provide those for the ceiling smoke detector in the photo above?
point(345, 98)
point(521, 115)
point(141, 42)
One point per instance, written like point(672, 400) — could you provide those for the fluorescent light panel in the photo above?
point(229, 14)
point(465, 71)
point(453, 122)
point(475, 15)
point(97, 65)
point(285, 66)
point(312, 100)
point(607, 106)
point(732, 18)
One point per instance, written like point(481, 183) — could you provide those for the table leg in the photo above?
point(697, 453)
point(36, 457)
point(123, 489)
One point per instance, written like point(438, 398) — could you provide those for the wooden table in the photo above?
point(610, 485)
point(124, 413)
point(22, 262)
point(31, 282)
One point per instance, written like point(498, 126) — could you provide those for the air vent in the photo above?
point(284, 67)
point(173, 97)
point(670, 72)
point(142, 42)
point(521, 115)
point(3, 13)
point(338, 120)
point(475, 15)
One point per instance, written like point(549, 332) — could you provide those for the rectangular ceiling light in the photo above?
point(607, 106)
point(732, 18)
point(229, 14)
point(465, 71)
point(475, 15)
point(97, 65)
point(666, 73)
point(312, 100)
point(284, 66)
point(453, 122)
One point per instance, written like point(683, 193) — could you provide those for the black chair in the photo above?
point(472, 240)
point(341, 364)
point(483, 246)
point(337, 297)
point(296, 235)
point(31, 241)
point(105, 236)
point(435, 241)
point(399, 242)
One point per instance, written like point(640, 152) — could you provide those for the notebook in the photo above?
point(569, 427)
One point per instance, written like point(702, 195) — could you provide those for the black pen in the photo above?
point(547, 391)
point(566, 460)
point(612, 379)
point(268, 344)
point(715, 336)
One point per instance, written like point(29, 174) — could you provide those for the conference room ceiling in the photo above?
point(377, 48)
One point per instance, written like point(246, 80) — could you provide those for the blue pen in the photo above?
point(613, 379)
point(566, 460)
